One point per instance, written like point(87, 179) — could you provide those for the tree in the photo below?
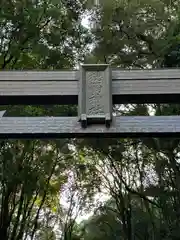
point(36, 35)
point(138, 35)
point(41, 34)
point(133, 34)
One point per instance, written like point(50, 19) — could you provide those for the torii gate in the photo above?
point(95, 88)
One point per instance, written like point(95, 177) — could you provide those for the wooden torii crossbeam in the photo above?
point(94, 88)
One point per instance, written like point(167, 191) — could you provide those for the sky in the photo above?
point(85, 21)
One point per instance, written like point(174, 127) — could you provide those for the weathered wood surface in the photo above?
point(69, 127)
point(61, 87)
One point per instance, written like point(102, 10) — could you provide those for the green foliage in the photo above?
point(133, 34)
point(41, 34)
point(37, 35)
point(140, 176)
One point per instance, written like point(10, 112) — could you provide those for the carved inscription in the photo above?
point(94, 96)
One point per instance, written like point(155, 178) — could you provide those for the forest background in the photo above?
point(90, 189)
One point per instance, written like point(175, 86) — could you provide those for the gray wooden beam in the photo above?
point(61, 87)
point(69, 127)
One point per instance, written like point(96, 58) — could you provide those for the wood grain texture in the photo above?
point(69, 127)
point(38, 75)
point(71, 75)
point(62, 87)
point(146, 74)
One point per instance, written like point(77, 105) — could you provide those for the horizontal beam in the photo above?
point(61, 87)
point(69, 127)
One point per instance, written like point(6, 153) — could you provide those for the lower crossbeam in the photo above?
point(69, 127)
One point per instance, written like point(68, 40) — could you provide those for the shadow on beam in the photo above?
point(73, 99)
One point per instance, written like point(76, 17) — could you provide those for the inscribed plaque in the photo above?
point(95, 98)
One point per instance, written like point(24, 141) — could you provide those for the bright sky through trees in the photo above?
point(85, 21)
